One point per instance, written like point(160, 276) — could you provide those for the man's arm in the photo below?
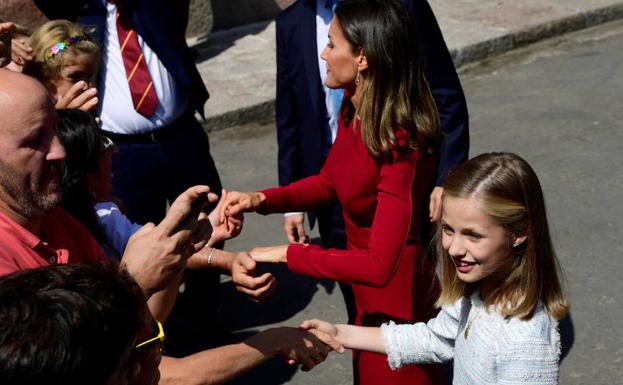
point(222, 364)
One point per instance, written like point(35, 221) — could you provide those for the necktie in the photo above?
point(141, 87)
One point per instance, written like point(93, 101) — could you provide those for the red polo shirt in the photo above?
point(63, 240)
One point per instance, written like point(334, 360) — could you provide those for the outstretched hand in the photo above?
point(294, 345)
point(155, 255)
point(323, 330)
point(225, 229)
point(238, 202)
point(246, 280)
point(270, 254)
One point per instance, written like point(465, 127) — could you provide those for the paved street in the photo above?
point(558, 104)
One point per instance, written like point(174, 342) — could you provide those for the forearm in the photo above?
point(211, 258)
point(361, 338)
point(210, 367)
point(161, 303)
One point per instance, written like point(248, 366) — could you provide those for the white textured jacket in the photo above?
point(486, 348)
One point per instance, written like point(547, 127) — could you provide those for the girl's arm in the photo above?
point(349, 336)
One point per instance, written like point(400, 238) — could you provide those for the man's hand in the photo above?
point(294, 345)
point(155, 255)
point(434, 207)
point(294, 227)
point(246, 281)
point(78, 96)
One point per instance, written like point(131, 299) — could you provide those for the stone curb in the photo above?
point(516, 39)
point(266, 110)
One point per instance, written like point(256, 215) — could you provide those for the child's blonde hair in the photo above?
point(506, 188)
point(47, 65)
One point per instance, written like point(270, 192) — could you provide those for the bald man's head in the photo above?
point(30, 153)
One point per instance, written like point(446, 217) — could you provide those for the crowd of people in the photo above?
point(439, 258)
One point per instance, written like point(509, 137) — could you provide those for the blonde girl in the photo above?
point(66, 60)
point(501, 295)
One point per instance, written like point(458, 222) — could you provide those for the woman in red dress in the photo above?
point(380, 168)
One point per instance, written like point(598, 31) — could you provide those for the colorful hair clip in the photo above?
point(63, 45)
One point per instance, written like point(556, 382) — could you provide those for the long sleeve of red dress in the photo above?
point(379, 208)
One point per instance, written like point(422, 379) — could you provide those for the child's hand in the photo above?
point(78, 96)
point(323, 330)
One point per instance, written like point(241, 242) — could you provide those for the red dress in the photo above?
point(382, 204)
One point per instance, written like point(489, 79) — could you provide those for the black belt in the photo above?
point(160, 134)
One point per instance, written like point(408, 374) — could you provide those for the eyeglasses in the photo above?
point(107, 143)
point(159, 339)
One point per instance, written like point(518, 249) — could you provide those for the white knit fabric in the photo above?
point(496, 350)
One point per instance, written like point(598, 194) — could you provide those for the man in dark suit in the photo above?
point(305, 111)
point(163, 150)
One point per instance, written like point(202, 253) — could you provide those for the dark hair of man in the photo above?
point(80, 135)
point(395, 93)
point(67, 324)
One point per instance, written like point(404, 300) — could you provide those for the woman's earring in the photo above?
point(357, 78)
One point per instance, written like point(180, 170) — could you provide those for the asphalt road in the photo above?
point(557, 104)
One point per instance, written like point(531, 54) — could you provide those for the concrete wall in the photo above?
point(22, 12)
point(205, 15)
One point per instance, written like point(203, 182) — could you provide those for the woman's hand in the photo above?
point(78, 96)
point(270, 254)
point(231, 227)
point(238, 202)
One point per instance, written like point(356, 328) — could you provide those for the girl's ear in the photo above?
point(519, 238)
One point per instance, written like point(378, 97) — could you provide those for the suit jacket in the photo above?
point(161, 23)
point(300, 104)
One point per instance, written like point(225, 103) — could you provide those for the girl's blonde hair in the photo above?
point(46, 66)
point(395, 93)
point(506, 188)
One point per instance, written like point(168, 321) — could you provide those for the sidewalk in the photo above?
point(238, 66)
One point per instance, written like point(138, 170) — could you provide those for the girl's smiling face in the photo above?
point(479, 247)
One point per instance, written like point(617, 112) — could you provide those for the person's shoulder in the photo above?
point(541, 328)
point(292, 14)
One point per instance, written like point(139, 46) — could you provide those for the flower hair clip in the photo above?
point(63, 45)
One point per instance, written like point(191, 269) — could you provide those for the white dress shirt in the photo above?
point(116, 108)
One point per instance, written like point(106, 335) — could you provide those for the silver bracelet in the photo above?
point(210, 257)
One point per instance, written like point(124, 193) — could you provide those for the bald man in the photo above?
point(35, 231)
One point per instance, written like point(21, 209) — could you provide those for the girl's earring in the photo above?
point(357, 78)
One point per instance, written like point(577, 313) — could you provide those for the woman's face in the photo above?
point(342, 63)
point(82, 66)
point(479, 247)
point(100, 180)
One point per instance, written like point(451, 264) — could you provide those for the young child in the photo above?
point(501, 296)
point(66, 60)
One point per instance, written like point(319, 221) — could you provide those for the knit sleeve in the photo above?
point(532, 356)
point(422, 342)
